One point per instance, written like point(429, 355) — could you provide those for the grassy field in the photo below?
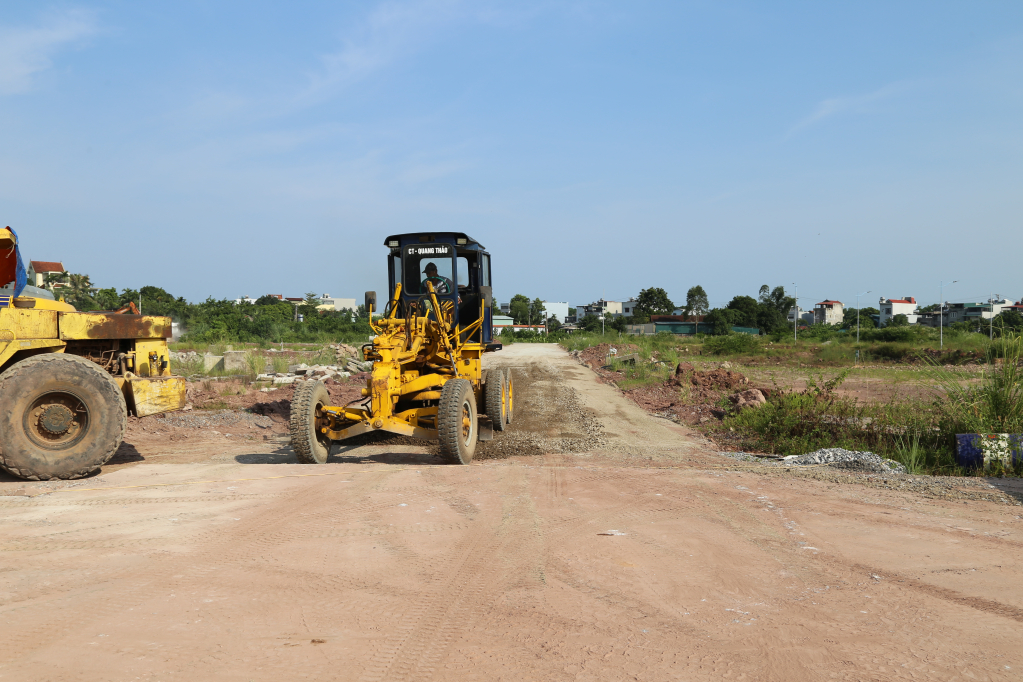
point(900, 400)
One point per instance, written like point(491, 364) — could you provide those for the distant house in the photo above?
point(499, 322)
point(556, 309)
point(629, 307)
point(600, 308)
point(800, 314)
point(829, 312)
point(890, 307)
point(38, 270)
point(328, 302)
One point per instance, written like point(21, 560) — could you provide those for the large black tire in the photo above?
point(456, 421)
point(61, 416)
point(509, 400)
point(495, 399)
point(310, 445)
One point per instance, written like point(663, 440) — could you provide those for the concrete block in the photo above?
point(211, 362)
point(235, 360)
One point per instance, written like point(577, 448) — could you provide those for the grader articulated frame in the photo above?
point(428, 380)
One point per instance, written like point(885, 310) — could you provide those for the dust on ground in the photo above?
point(589, 565)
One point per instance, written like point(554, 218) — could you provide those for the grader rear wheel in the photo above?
point(456, 421)
point(496, 400)
point(308, 442)
point(61, 416)
point(509, 402)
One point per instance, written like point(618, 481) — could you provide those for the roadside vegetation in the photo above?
point(972, 385)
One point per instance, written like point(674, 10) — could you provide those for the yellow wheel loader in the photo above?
point(428, 380)
point(68, 379)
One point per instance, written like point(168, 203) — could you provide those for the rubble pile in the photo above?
point(839, 458)
point(302, 372)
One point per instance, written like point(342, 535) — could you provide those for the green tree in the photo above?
point(849, 318)
point(653, 301)
point(536, 312)
point(932, 308)
point(79, 292)
point(307, 307)
point(1009, 319)
point(552, 324)
point(899, 320)
point(696, 301)
point(590, 323)
point(519, 309)
point(107, 299)
point(721, 320)
point(746, 311)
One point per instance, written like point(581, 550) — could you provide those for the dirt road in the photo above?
point(596, 543)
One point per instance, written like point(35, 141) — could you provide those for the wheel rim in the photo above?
point(320, 421)
point(57, 420)
point(467, 423)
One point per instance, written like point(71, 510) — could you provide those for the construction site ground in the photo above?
point(591, 541)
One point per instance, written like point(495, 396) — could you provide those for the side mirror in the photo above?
point(371, 300)
point(488, 296)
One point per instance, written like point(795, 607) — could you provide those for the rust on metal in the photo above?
point(113, 326)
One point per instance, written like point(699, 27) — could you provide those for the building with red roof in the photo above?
point(37, 271)
point(890, 307)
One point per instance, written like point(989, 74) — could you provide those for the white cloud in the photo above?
point(25, 51)
point(854, 104)
point(391, 31)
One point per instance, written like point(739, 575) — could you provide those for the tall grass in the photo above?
point(995, 404)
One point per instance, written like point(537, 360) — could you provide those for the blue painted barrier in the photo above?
point(980, 450)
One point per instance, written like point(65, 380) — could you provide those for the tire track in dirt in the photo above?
point(123, 588)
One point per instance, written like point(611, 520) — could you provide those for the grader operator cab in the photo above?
point(428, 380)
point(68, 379)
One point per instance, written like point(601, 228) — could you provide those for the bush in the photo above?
point(733, 344)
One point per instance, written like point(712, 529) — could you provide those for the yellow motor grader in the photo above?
point(428, 380)
point(68, 379)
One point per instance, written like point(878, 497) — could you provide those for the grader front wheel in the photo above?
point(308, 442)
point(509, 402)
point(456, 421)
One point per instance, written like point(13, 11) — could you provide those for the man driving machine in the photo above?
point(441, 285)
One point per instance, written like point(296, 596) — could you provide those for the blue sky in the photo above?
point(596, 148)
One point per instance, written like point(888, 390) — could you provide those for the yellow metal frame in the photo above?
point(396, 379)
point(48, 326)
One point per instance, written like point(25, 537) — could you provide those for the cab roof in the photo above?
point(427, 237)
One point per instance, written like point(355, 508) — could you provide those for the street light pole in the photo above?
point(795, 312)
point(941, 312)
point(858, 314)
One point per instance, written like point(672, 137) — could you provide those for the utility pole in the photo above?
point(991, 320)
point(858, 314)
point(795, 313)
point(941, 313)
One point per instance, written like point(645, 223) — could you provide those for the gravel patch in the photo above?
point(213, 418)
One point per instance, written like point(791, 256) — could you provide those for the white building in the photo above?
point(327, 302)
point(828, 312)
point(556, 309)
point(803, 315)
point(600, 308)
point(890, 307)
point(629, 308)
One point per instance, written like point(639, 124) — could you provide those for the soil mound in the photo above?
point(597, 356)
point(721, 379)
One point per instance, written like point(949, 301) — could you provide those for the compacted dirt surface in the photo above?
point(591, 541)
